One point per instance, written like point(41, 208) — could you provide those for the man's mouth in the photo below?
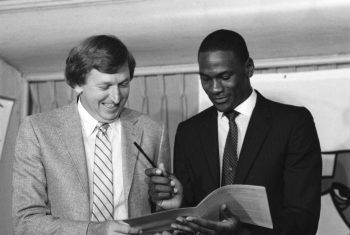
point(110, 105)
point(219, 100)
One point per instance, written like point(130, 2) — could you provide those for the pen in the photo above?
point(144, 154)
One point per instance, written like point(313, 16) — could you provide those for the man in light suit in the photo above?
point(277, 145)
point(55, 158)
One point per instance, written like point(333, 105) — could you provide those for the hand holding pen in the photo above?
point(165, 190)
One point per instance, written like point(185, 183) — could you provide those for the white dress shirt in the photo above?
point(245, 110)
point(89, 132)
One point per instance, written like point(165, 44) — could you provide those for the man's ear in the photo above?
point(249, 66)
point(78, 89)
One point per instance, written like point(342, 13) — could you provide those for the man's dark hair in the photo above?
point(225, 40)
point(105, 53)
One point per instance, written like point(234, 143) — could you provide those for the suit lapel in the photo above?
point(258, 128)
point(70, 133)
point(131, 132)
point(210, 145)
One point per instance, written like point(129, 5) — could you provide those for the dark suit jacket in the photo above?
point(281, 151)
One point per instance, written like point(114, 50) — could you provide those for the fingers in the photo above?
point(168, 199)
point(162, 168)
point(203, 225)
point(111, 227)
point(184, 225)
point(161, 192)
point(153, 172)
point(164, 233)
point(162, 180)
point(228, 225)
point(124, 228)
point(176, 184)
point(161, 186)
point(160, 171)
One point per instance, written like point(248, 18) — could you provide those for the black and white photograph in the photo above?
point(163, 117)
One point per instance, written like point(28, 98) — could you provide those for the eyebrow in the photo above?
point(219, 74)
point(103, 83)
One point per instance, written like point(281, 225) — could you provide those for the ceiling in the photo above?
point(36, 35)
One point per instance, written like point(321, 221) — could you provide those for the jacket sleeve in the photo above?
point(302, 179)
point(31, 205)
point(182, 167)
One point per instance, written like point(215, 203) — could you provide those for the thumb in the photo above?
point(162, 168)
point(225, 213)
point(231, 221)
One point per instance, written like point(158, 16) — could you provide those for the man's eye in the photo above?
point(104, 87)
point(124, 84)
point(226, 76)
point(205, 78)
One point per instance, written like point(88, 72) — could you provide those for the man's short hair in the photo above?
point(105, 53)
point(225, 40)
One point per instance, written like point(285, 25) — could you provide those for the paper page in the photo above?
point(248, 202)
point(160, 221)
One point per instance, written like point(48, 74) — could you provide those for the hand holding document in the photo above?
point(248, 202)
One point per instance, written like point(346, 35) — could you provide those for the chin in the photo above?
point(109, 117)
point(222, 107)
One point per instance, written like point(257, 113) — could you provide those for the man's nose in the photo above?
point(217, 86)
point(115, 94)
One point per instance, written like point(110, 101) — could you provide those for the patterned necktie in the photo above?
point(230, 158)
point(102, 208)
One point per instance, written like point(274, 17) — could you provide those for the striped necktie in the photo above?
point(102, 208)
point(230, 158)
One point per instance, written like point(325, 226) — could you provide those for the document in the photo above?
point(248, 202)
point(6, 105)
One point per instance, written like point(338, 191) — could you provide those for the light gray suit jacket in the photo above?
point(50, 178)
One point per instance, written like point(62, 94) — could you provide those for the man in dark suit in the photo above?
point(266, 143)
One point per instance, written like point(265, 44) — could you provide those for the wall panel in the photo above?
point(168, 97)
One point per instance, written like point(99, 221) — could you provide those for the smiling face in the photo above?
point(224, 78)
point(104, 95)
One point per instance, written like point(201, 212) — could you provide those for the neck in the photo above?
point(244, 96)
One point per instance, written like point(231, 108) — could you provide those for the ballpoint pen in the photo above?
point(145, 155)
point(163, 172)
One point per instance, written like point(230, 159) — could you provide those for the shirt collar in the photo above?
point(246, 107)
point(89, 123)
